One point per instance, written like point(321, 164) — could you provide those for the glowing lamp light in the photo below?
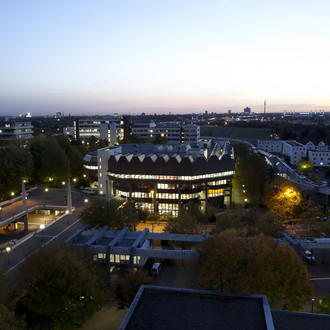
point(42, 227)
point(8, 249)
point(12, 193)
point(74, 179)
point(86, 200)
point(46, 189)
point(63, 183)
point(84, 175)
point(245, 200)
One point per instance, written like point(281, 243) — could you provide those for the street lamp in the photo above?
point(8, 249)
point(152, 199)
point(86, 200)
point(313, 305)
point(46, 189)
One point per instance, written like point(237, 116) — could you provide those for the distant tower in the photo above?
point(264, 106)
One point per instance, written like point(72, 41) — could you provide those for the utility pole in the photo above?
point(26, 225)
point(107, 197)
point(69, 199)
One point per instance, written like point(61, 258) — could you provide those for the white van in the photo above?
point(89, 190)
point(156, 268)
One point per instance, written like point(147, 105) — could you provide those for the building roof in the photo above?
point(166, 159)
point(300, 321)
point(172, 308)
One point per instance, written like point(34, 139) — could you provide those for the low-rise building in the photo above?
point(173, 132)
point(104, 128)
point(15, 131)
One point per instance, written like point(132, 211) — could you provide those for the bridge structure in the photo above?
point(132, 249)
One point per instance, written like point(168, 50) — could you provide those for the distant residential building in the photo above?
point(68, 131)
point(319, 155)
point(247, 110)
point(294, 150)
point(273, 146)
point(173, 132)
point(15, 131)
point(104, 128)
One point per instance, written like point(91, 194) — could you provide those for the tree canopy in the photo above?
point(230, 263)
point(102, 213)
point(251, 173)
point(62, 288)
point(50, 161)
point(251, 222)
point(189, 221)
point(17, 164)
point(128, 285)
point(282, 197)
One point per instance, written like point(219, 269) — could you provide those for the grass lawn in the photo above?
point(250, 134)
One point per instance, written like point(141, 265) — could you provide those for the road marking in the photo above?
point(9, 270)
point(320, 278)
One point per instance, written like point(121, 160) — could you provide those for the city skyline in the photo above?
point(103, 57)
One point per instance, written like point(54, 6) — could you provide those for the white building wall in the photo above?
point(103, 156)
point(272, 146)
point(295, 151)
point(319, 158)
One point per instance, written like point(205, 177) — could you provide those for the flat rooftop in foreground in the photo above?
point(172, 308)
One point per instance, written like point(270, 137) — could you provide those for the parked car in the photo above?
point(156, 268)
point(308, 256)
point(88, 190)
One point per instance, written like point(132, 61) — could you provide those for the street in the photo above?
point(57, 232)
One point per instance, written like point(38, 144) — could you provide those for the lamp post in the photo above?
point(42, 227)
point(313, 305)
point(153, 199)
point(8, 250)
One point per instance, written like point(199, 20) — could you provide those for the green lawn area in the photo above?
point(250, 134)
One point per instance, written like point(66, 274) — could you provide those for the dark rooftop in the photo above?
point(300, 321)
point(171, 308)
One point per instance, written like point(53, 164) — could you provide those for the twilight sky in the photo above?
point(157, 56)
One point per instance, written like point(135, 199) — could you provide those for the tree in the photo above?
point(246, 176)
point(283, 198)
point(49, 159)
point(128, 285)
point(103, 213)
point(17, 164)
point(9, 320)
point(304, 165)
point(62, 288)
point(75, 160)
point(230, 263)
point(323, 306)
point(251, 222)
point(187, 222)
point(100, 213)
